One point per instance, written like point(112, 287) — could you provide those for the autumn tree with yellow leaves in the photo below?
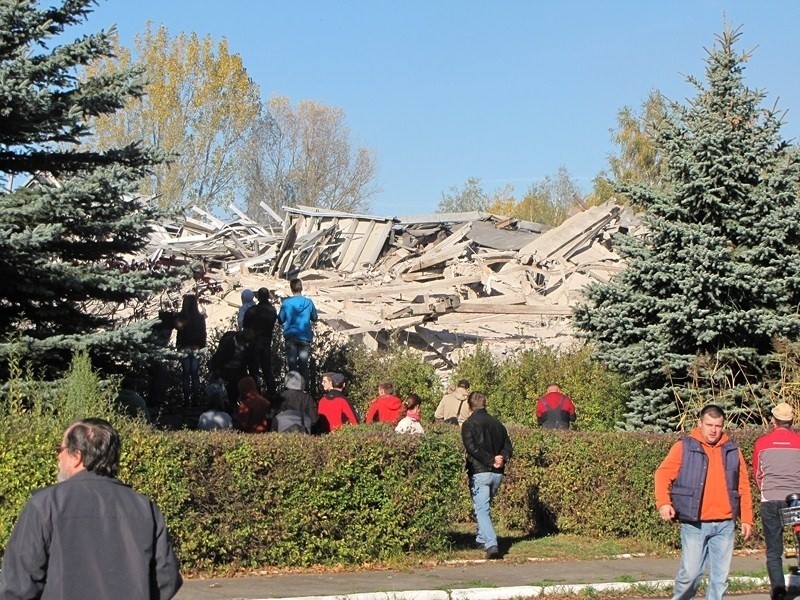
point(199, 107)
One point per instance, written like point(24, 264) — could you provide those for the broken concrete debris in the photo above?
point(439, 283)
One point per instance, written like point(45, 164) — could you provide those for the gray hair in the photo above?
point(98, 443)
point(293, 381)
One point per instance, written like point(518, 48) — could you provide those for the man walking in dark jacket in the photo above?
point(90, 536)
point(488, 450)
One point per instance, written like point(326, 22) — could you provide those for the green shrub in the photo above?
point(514, 385)
point(360, 494)
point(404, 368)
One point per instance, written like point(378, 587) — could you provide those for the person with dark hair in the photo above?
point(453, 408)
point(253, 413)
point(217, 416)
point(410, 421)
point(489, 449)
point(229, 362)
point(296, 315)
point(555, 409)
point(161, 334)
point(386, 408)
point(334, 408)
point(191, 339)
point(703, 484)
point(776, 469)
point(89, 536)
point(260, 319)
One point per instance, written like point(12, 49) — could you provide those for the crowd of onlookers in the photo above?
point(240, 390)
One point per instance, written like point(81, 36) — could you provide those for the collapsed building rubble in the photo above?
point(435, 282)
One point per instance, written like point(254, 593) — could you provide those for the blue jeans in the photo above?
point(297, 353)
point(190, 377)
point(705, 543)
point(773, 537)
point(483, 487)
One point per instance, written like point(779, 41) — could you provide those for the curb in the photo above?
point(522, 591)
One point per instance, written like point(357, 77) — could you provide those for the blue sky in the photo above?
point(506, 91)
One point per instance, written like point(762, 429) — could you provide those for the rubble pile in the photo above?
point(438, 282)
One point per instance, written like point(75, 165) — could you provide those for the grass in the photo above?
point(518, 545)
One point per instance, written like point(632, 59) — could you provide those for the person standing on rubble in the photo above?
point(191, 339)
point(296, 315)
point(260, 319)
point(248, 302)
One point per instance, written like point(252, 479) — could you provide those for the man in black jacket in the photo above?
point(261, 319)
point(89, 536)
point(488, 450)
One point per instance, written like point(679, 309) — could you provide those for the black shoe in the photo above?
point(778, 594)
point(492, 552)
point(480, 546)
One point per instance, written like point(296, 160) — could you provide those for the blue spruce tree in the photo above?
point(64, 282)
point(716, 282)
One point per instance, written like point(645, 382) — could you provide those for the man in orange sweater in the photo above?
point(703, 484)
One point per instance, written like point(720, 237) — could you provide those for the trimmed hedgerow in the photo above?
point(361, 494)
point(358, 495)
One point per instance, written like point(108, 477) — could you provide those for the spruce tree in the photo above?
point(716, 282)
point(66, 282)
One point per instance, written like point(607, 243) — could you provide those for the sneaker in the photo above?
point(492, 552)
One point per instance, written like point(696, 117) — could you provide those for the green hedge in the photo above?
point(513, 384)
point(359, 495)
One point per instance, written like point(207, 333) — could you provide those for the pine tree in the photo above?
point(705, 295)
point(66, 285)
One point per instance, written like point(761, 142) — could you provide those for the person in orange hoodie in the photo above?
point(703, 484)
point(386, 408)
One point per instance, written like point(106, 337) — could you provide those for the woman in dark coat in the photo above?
point(191, 326)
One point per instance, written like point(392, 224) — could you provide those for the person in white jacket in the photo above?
point(410, 421)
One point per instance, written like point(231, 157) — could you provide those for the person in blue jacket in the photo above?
point(296, 315)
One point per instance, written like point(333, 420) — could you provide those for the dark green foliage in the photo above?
point(358, 495)
point(66, 285)
point(694, 316)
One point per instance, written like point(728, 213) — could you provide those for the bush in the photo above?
point(360, 494)
point(365, 369)
point(514, 385)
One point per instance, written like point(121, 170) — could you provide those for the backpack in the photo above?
point(291, 421)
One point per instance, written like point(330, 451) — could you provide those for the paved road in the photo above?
point(473, 580)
